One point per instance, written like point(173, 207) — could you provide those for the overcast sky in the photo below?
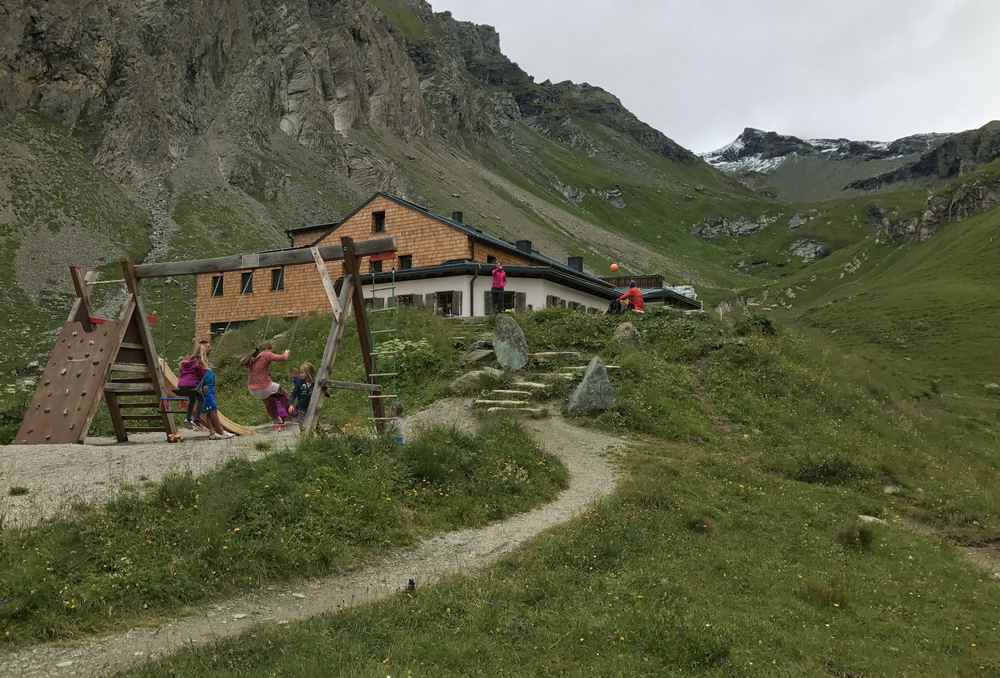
point(702, 70)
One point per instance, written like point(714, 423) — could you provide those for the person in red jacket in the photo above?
point(499, 284)
point(634, 298)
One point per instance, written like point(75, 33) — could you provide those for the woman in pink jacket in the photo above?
point(499, 287)
point(262, 387)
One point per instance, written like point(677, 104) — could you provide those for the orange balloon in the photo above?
point(614, 268)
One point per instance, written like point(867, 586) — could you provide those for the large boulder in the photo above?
point(595, 393)
point(627, 335)
point(510, 344)
point(474, 382)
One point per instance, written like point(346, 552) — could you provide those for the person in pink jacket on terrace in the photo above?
point(499, 284)
point(262, 387)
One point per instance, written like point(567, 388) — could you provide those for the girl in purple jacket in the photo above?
point(192, 370)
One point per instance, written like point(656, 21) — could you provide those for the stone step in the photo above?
point(531, 385)
point(511, 393)
point(533, 412)
point(501, 403)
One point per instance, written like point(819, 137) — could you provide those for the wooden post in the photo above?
point(352, 267)
point(152, 357)
point(329, 356)
point(331, 290)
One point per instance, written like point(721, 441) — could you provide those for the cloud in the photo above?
point(702, 71)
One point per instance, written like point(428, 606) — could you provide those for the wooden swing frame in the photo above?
point(143, 358)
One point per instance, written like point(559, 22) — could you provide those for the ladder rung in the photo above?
point(143, 417)
point(382, 397)
point(136, 406)
point(144, 429)
point(382, 418)
point(130, 368)
point(131, 346)
point(383, 289)
point(384, 331)
point(385, 310)
point(134, 389)
point(383, 374)
point(384, 354)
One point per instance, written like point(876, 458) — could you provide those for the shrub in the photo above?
point(755, 324)
point(824, 594)
point(831, 469)
point(856, 535)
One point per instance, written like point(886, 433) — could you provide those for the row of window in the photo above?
point(246, 282)
point(278, 277)
point(552, 301)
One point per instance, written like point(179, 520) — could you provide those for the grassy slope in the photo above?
point(664, 199)
point(816, 179)
point(325, 507)
point(732, 547)
point(55, 210)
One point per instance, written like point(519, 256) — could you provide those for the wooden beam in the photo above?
point(352, 267)
point(331, 290)
point(242, 262)
point(329, 355)
point(81, 309)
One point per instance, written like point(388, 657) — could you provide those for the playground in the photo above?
point(115, 360)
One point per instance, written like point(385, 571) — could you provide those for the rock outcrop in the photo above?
point(510, 344)
point(595, 392)
point(714, 228)
point(809, 250)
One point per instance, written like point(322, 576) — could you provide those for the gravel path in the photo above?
point(60, 476)
point(591, 478)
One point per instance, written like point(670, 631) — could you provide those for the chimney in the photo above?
point(524, 245)
point(457, 216)
point(575, 263)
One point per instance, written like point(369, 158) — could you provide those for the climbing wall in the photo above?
point(72, 385)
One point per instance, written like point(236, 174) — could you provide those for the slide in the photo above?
point(171, 379)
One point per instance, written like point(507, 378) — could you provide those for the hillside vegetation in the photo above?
point(734, 546)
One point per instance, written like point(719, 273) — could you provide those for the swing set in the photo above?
point(116, 360)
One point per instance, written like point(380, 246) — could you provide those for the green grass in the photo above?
point(732, 547)
point(55, 207)
point(320, 509)
point(404, 19)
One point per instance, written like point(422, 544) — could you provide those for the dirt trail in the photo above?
point(591, 478)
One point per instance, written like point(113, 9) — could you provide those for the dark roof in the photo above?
point(471, 231)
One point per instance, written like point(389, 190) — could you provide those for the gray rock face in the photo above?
point(510, 344)
point(473, 382)
point(809, 250)
point(595, 393)
point(714, 228)
point(627, 335)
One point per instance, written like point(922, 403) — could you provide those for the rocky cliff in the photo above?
point(210, 126)
point(954, 157)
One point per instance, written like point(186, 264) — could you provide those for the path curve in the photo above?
point(591, 477)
